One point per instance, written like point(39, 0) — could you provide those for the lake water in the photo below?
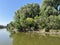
point(27, 39)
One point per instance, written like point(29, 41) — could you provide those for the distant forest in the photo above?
point(1, 26)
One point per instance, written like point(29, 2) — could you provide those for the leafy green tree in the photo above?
point(51, 11)
point(50, 7)
point(53, 22)
point(26, 12)
point(33, 17)
point(10, 26)
point(30, 10)
point(29, 24)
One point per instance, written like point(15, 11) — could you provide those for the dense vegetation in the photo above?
point(32, 17)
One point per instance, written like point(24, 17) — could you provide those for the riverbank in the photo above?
point(50, 31)
point(42, 31)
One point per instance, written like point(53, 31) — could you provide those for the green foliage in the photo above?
point(31, 17)
point(10, 26)
point(30, 10)
point(50, 7)
point(53, 22)
point(50, 11)
point(29, 21)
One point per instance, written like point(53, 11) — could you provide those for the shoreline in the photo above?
point(55, 32)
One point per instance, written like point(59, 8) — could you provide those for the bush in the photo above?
point(53, 22)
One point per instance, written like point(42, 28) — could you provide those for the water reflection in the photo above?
point(4, 37)
point(28, 38)
point(34, 39)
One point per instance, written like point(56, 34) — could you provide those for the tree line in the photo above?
point(33, 17)
point(1, 26)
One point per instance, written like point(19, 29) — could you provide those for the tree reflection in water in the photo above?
point(34, 39)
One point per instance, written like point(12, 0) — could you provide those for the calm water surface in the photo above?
point(27, 39)
point(5, 38)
